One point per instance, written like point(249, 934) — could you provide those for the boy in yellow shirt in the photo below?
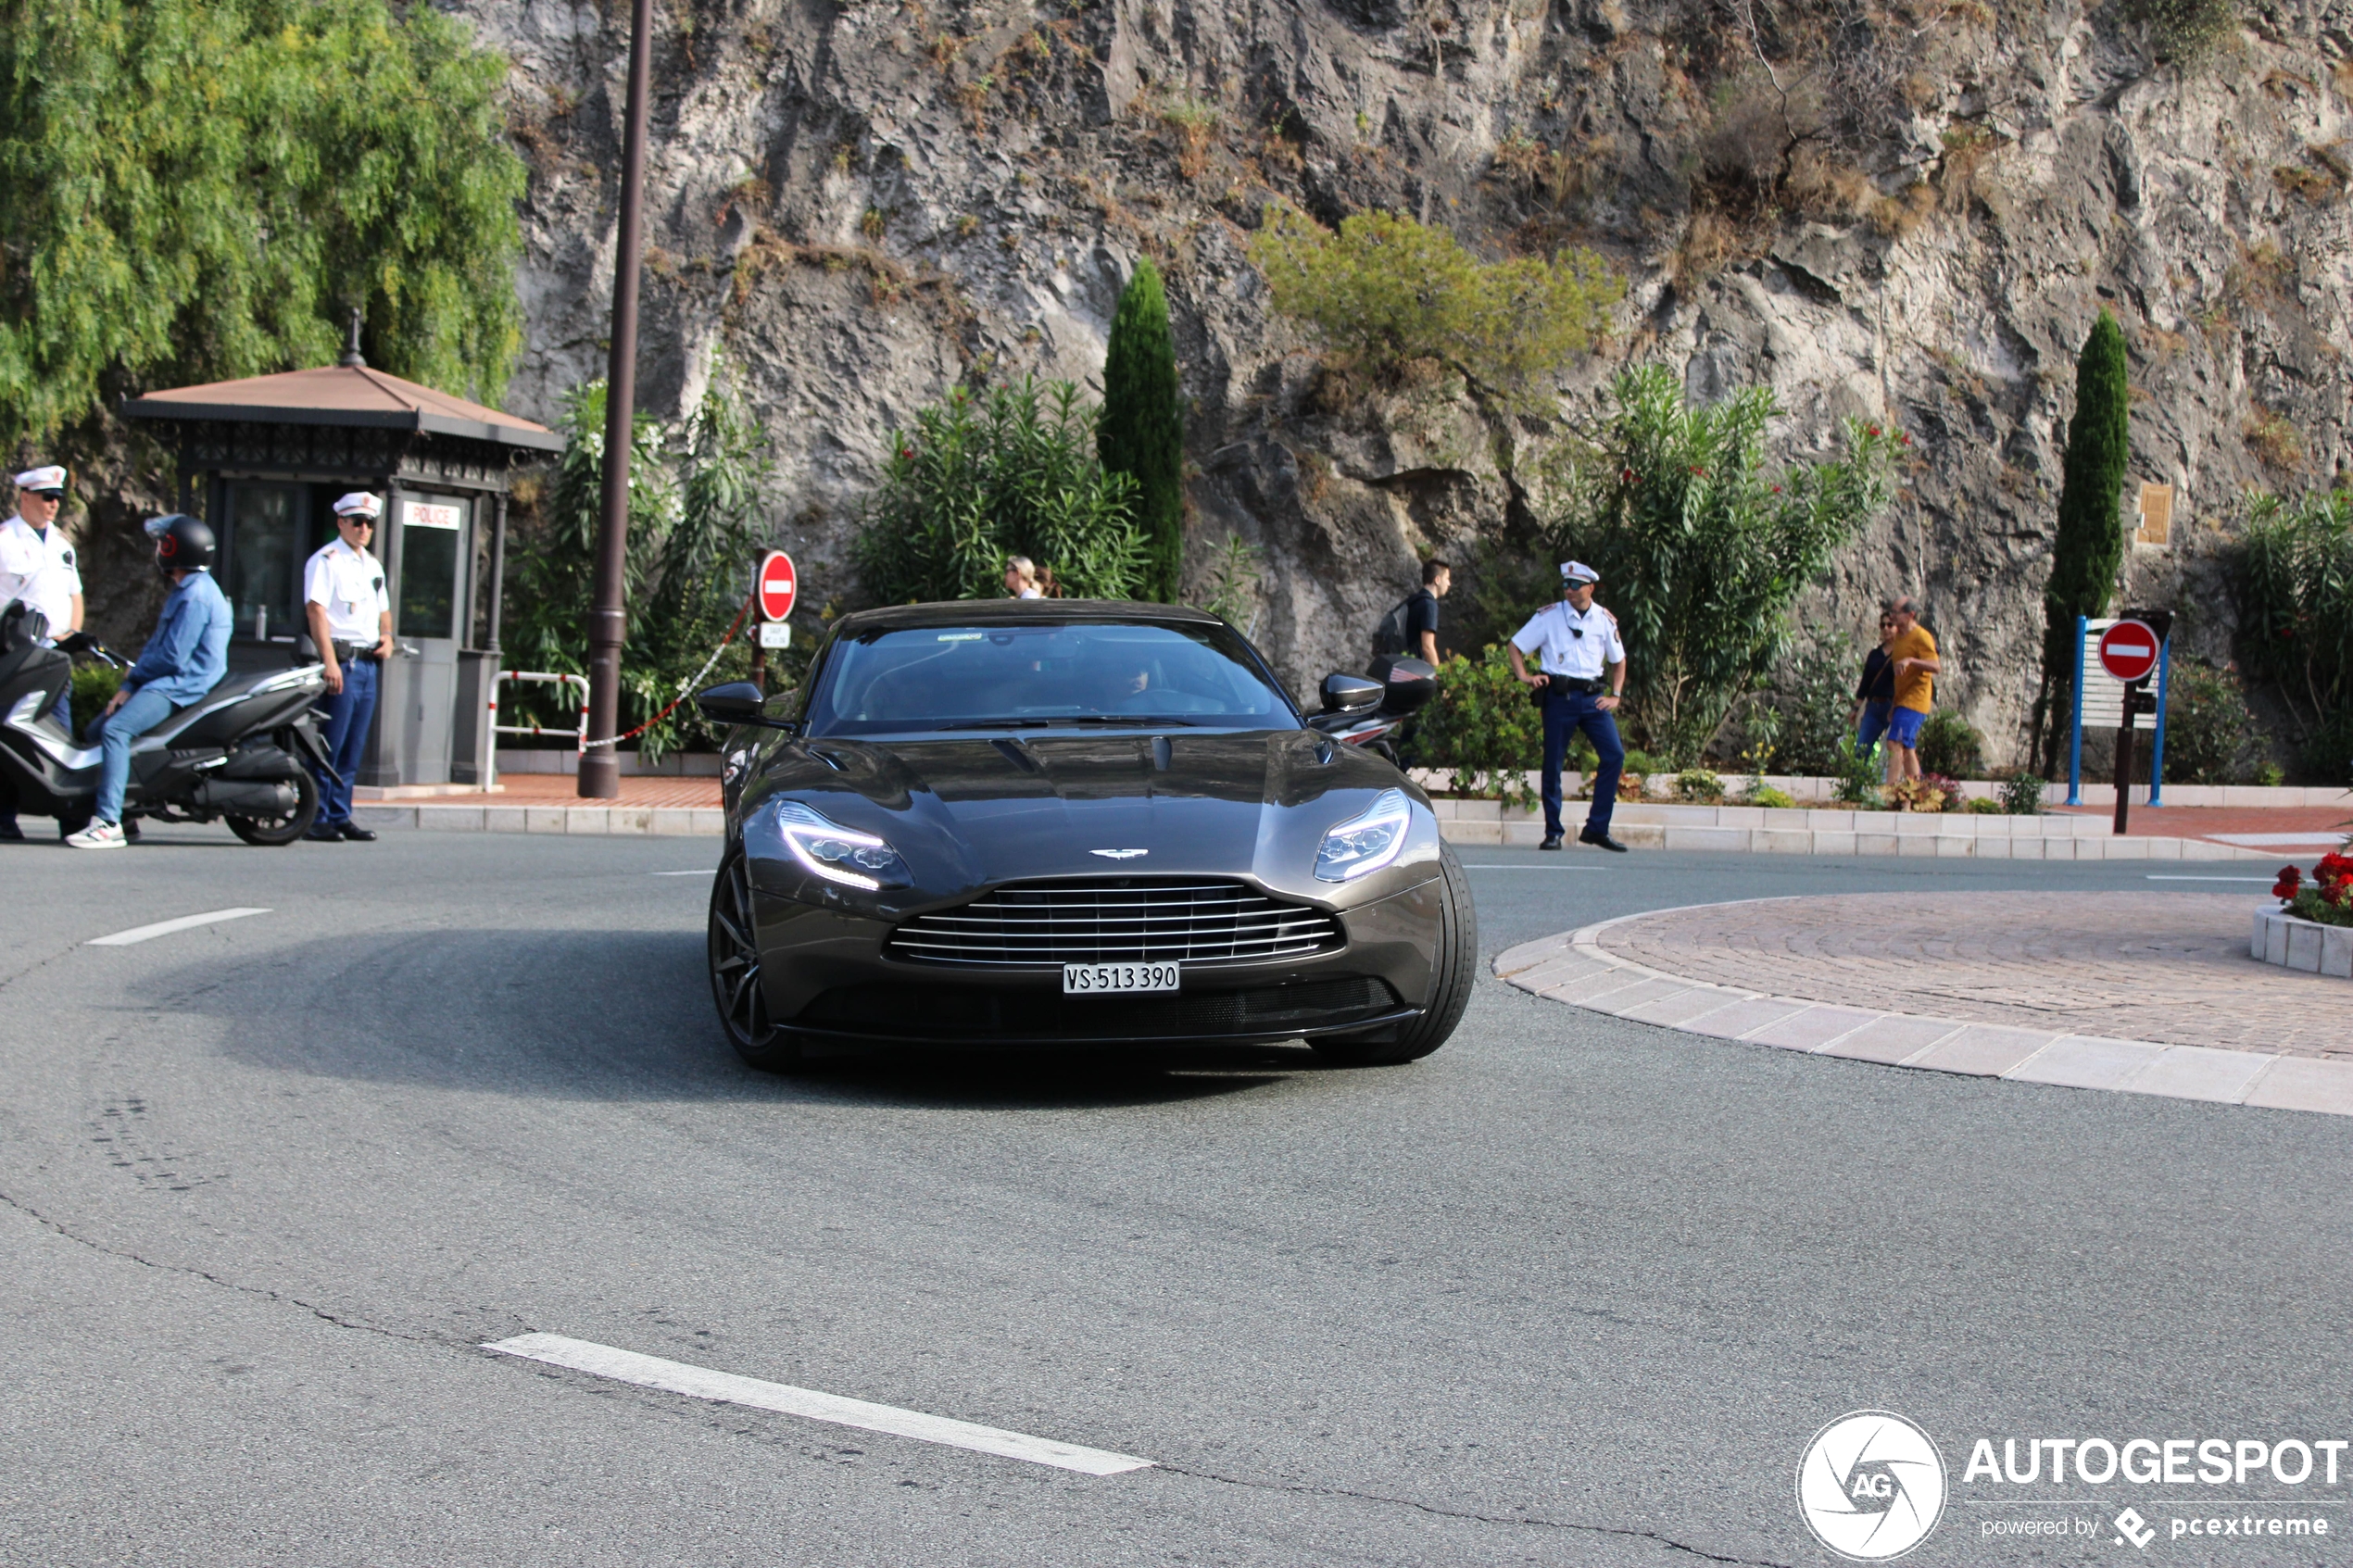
point(1912, 657)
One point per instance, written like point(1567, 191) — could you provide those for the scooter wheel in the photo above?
point(271, 833)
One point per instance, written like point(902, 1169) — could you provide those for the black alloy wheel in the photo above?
point(285, 827)
point(735, 972)
point(1450, 991)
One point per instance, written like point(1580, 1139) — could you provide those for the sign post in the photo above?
point(773, 588)
point(2129, 651)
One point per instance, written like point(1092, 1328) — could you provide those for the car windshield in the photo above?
point(1055, 673)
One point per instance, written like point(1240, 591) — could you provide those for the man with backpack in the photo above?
point(1410, 629)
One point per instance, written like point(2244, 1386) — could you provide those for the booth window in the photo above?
point(430, 535)
point(265, 558)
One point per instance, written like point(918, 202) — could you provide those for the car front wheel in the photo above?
point(735, 972)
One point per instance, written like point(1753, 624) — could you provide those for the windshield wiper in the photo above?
point(1140, 722)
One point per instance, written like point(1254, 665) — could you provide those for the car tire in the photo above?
point(1456, 972)
point(734, 949)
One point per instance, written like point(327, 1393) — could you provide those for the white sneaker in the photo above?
point(99, 835)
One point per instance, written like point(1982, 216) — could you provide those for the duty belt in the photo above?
point(1590, 686)
point(346, 652)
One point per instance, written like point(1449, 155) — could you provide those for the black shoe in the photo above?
point(10, 833)
point(355, 832)
point(1599, 840)
point(324, 833)
point(129, 829)
point(1552, 841)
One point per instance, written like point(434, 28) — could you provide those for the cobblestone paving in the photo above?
point(2169, 966)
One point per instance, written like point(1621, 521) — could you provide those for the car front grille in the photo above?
point(1123, 919)
point(944, 1012)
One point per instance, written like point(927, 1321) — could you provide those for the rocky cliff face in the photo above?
point(1910, 212)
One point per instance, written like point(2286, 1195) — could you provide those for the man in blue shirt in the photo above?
point(184, 660)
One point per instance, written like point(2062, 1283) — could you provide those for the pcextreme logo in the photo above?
point(1871, 1486)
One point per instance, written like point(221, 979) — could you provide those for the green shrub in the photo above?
point(2294, 592)
point(1385, 290)
point(1948, 746)
point(93, 687)
point(1983, 806)
point(2268, 776)
point(1010, 471)
point(1643, 762)
point(2210, 736)
point(2022, 794)
point(1766, 794)
point(2089, 545)
point(1699, 784)
point(1811, 694)
point(696, 490)
point(1480, 728)
point(1142, 433)
point(200, 189)
point(2181, 30)
point(1701, 547)
point(1859, 772)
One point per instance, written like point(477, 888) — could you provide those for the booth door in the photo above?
point(421, 699)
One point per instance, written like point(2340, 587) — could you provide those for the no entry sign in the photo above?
point(776, 584)
point(2128, 650)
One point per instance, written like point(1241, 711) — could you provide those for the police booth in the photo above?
point(263, 460)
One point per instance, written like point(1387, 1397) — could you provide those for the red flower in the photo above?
point(1777, 490)
point(1875, 430)
point(1626, 476)
point(2290, 878)
point(907, 454)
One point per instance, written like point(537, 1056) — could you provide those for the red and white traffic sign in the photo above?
point(2128, 650)
point(776, 586)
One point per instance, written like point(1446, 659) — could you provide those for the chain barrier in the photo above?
point(689, 684)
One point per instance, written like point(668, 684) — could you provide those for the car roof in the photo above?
point(997, 612)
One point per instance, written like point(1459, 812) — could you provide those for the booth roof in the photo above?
point(343, 395)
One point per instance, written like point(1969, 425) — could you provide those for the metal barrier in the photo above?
point(541, 677)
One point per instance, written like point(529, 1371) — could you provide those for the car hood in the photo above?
point(966, 812)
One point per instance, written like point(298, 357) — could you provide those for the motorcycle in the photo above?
point(1406, 686)
point(235, 754)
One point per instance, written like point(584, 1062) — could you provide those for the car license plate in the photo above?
point(1098, 978)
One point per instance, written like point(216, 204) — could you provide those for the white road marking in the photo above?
point(701, 1383)
point(703, 873)
point(2266, 880)
point(1507, 866)
point(166, 927)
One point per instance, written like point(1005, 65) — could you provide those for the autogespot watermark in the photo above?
point(1872, 1485)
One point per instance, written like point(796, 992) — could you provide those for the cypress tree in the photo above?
point(2090, 545)
point(1142, 430)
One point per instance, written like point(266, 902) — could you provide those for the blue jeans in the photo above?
point(1872, 725)
point(143, 712)
point(350, 713)
point(1565, 713)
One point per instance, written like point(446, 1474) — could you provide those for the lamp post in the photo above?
point(608, 617)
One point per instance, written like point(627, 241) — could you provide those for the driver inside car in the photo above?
point(185, 658)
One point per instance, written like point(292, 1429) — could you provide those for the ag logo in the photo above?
point(1871, 1486)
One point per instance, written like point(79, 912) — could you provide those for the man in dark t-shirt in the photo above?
point(1421, 610)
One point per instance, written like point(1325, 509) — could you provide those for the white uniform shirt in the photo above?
point(40, 571)
point(1555, 630)
point(350, 585)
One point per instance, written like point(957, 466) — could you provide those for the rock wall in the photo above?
point(1907, 212)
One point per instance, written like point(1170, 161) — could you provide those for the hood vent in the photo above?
point(1131, 920)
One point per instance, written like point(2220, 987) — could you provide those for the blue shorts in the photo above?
point(1872, 725)
point(1904, 727)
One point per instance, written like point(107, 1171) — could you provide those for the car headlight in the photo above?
point(836, 853)
point(1366, 843)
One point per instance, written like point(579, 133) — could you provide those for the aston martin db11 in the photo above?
point(1076, 824)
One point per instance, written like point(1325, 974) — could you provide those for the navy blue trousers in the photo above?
point(349, 712)
point(1565, 714)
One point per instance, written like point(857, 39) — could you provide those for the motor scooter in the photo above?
point(236, 755)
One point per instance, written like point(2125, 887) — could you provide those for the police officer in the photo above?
point(37, 566)
point(1583, 681)
point(350, 617)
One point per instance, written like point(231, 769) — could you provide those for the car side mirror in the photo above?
point(738, 702)
point(1348, 693)
point(1408, 686)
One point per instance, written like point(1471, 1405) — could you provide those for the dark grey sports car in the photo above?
point(1073, 823)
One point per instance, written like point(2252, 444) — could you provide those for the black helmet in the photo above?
point(182, 543)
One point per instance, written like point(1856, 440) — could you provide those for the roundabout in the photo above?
point(2085, 990)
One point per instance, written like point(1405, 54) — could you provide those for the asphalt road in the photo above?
point(1573, 1291)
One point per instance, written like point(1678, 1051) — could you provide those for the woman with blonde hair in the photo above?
point(1021, 578)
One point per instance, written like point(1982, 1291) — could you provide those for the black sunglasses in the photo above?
point(359, 521)
point(50, 495)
